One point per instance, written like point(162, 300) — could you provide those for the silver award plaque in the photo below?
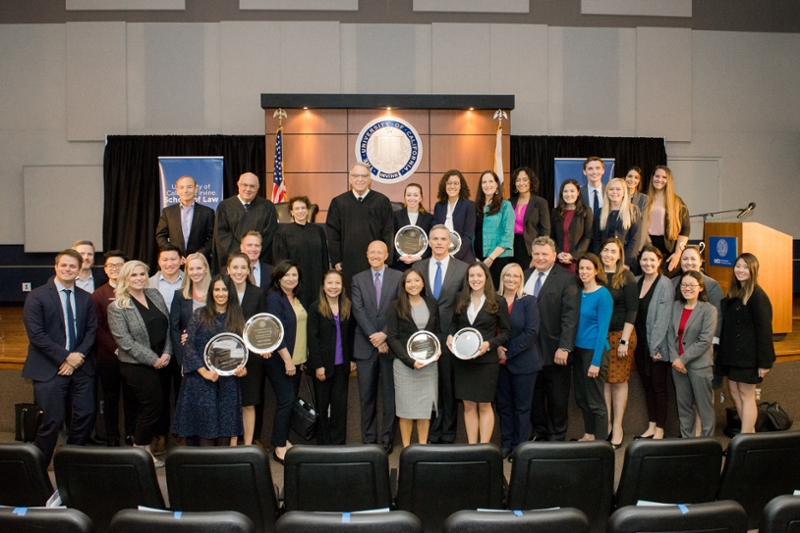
point(224, 353)
point(411, 240)
point(466, 343)
point(263, 333)
point(423, 346)
point(455, 243)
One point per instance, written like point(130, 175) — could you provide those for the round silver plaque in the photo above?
point(423, 346)
point(224, 353)
point(263, 333)
point(411, 240)
point(466, 343)
point(455, 243)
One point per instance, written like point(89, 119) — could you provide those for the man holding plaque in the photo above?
point(373, 291)
point(444, 277)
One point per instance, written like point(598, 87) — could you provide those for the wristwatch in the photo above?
point(623, 341)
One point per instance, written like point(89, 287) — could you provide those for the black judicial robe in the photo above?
point(305, 245)
point(233, 222)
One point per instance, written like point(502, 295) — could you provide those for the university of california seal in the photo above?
point(391, 147)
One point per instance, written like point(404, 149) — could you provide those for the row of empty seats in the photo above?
point(434, 481)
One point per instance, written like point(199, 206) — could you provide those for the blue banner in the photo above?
point(722, 251)
point(572, 168)
point(206, 171)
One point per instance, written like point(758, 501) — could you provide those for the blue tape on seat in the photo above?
point(177, 515)
point(20, 511)
point(345, 518)
point(683, 508)
point(517, 513)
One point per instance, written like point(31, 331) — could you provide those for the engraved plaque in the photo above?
point(224, 353)
point(423, 346)
point(466, 343)
point(411, 240)
point(263, 333)
point(455, 243)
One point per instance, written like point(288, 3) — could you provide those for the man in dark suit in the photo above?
point(61, 324)
point(444, 278)
point(262, 271)
point(374, 290)
point(558, 298)
point(187, 224)
point(592, 192)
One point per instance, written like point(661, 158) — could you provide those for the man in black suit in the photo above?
point(558, 297)
point(187, 224)
point(374, 290)
point(261, 270)
point(444, 278)
point(592, 192)
point(61, 324)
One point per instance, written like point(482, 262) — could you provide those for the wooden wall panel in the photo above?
point(454, 121)
point(395, 190)
point(358, 118)
point(310, 153)
point(468, 153)
point(319, 187)
point(309, 121)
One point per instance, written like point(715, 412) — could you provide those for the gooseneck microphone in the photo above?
point(746, 210)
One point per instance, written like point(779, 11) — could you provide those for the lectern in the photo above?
point(774, 252)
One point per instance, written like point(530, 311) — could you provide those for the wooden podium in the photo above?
point(774, 252)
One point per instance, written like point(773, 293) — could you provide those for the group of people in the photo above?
point(552, 293)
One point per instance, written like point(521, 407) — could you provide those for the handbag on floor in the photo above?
point(777, 418)
point(27, 419)
point(304, 416)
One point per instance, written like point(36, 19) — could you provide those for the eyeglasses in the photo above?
point(362, 176)
point(689, 286)
point(114, 266)
point(453, 183)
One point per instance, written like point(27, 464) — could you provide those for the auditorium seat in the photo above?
point(369, 522)
point(759, 467)
point(23, 472)
point(538, 521)
point(436, 481)
point(43, 520)
point(336, 478)
point(102, 481)
point(781, 515)
point(712, 517)
point(670, 471)
point(283, 210)
point(564, 474)
point(223, 479)
point(132, 521)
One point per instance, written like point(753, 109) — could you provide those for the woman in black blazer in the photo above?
point(330, 356)
point(456, 211)
point(532, 214)
point(412, 209)
point(187, 300)
point(478, 306)
point(415, 383)
point(571, 225)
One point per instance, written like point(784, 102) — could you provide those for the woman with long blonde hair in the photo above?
point(620, 219)
point(188, 299)
point(667, 219)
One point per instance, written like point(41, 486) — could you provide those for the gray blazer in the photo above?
point(659, 316)
point(698, 351)
point(371, 317)
point(713, 293)
point(130, 333)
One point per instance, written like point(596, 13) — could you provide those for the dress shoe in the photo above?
point(112, 443)
point(637, 437)
point(277, 459)
point(617, 446)
point(159, 463)
point(388, 447)
point(506, 452)
point(160, 445)
point(434, 440)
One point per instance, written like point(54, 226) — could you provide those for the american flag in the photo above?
point(278, 188)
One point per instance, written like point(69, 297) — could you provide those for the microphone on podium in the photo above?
point(746, 210)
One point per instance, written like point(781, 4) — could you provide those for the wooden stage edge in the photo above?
point(14, 341)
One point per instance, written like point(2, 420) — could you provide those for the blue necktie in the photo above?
point(71, 340)
point(437, 280)
point(538, 285)
point(595, 203)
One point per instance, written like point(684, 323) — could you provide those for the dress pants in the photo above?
point(690, 389)
point(111, 382)
point(551, 402)
point(145, 383)
point(371, 371)
point(332, 393)
point(444, 426)
point(654, 381)
point(514, 400)
point(52, 397)
point(284, 387)
point(169, 377)
point(589, 393)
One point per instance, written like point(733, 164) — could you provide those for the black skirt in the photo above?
point(476, 382)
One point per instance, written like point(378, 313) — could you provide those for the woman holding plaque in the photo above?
point(252, 301)
point(667, 219)
point(519, 361)
point(330, 355)
point(571, 225)
point(208, 411)
point(456, 211)
point(478, 306)
point(415, 382)
point(413, 213)
point(283, 367)
point(187, 300)
point(531, 215)
point(494, 229)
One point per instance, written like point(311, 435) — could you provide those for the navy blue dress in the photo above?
point(206, 409)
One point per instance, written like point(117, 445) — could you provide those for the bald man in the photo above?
point(244, 212)
point(187, 224)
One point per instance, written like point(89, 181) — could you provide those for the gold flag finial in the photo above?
point(281, 114)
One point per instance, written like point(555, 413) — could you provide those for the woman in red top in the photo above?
point(571, 225)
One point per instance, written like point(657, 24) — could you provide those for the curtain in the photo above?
point(130, 177)
point(538, 152)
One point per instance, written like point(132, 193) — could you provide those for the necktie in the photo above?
point(538, 286)
point(378, 288)
point(360, 199)
point(71, 340)
point(437, 280)
point(595, 203)
point(246, 206)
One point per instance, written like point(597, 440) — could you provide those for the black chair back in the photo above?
point(103, 481)
point(539, 521)
point(781, 515)
point(336, 478)
point(564, 474)
point(372, 522)
point(670, 471)
point(223, 479)
point(23, 520)
point(436, 481)
point(23, 472)
point(712, 517)
point(759, 467)
point(131, 521)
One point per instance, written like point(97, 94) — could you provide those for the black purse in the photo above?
point(304, 416)
point(27, 418)
point(777, 418)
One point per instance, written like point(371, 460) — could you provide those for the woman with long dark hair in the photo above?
point(456, 211)
point(531, 214)
point(571, 225)
point(494, 229)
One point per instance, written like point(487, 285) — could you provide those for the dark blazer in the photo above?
point(371, 317)
point(559, 305)
point(451, 286)
point(495, 329)
point(424, 221)
point(266, 275)
point(201, 234)
point(278, 304)
point(106, 347)
point(322, 341)
point(584, 192)
point(254, 301)
point(698, 352)
point(629, 237)
point(401, 329)
point(746, 338)
point(180, 313)
point(43, 317)
point(580, 232)
point(521, 351)
point(463, 223)
point(537, 219)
